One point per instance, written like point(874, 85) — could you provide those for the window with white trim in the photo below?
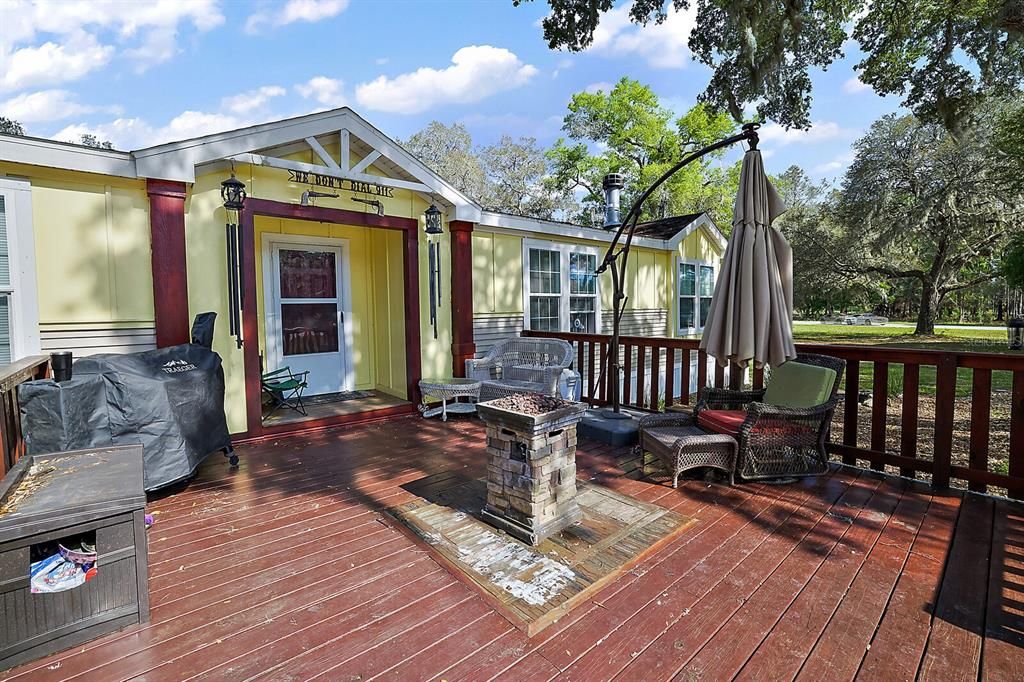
point(560, 287)
point(696, 286)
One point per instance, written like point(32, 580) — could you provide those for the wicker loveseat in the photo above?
point(775, 440)
point(518, 365)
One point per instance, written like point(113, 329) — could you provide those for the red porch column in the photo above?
point(462, 295)
point(170, 281)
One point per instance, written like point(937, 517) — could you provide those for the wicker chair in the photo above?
point(778, 441)
point(519, 365)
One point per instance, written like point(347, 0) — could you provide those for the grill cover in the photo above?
point(171, 400)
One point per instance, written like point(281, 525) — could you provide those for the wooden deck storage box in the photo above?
point(85, 491)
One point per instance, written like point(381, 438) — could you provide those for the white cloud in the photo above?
point(293, 11)
point(252, 100)
point(563, 65)
point(663, 45)
point(820, 131)
point(135, 133)
point(52, 63)
point(147, 32)
point(601, 86)
point(47, 105)
point(381, 61)
point(326, 91)
point(854, 86)
point(839, 163)
point(477, 72)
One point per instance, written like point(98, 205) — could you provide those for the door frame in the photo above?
point(271, 303)
point(410, 229)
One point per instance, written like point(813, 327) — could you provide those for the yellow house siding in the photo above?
point(92, 242)
point(699, 246)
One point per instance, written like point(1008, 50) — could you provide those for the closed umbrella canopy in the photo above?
point(751, 314)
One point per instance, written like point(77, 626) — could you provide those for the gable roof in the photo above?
point(178, 160)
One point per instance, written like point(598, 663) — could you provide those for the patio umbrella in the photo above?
point(751, 313)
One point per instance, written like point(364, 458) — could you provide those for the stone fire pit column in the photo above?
point(531, 467)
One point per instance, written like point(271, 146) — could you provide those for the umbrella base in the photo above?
point(620, 430)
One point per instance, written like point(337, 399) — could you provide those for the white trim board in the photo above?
point(21, 248)
point(50, 154)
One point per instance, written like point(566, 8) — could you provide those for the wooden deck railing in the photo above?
point(12, 446)
point(943, 447)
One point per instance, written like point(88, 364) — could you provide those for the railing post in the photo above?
point(670, 376)
point(908, 423)
point(655, 376)
point(852, 400)
point(684, 377)
point(627, 374)
point(981, 390)
point(945, 403)
point(879, 410)
point(1017, 433)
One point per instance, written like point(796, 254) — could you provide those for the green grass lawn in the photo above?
point(961, 339)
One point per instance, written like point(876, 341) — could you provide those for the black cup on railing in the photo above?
point(60, 363)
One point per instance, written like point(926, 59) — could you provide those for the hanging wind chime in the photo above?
point(232, 191)
point(434, 230)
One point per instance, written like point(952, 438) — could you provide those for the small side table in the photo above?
point(449, 388)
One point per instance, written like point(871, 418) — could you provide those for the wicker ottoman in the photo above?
point(681, 445)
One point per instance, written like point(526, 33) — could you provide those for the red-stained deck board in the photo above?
point(285, 567)
point(667, 654)
point(845, 641)
point(899, 642)
point(1003, 654)
point(731, 647)
point(629, 599)
point(690, 579)
point(783, 652)
point(678, 644)
point(954, 647)
point(444, 653)
point(351, 620)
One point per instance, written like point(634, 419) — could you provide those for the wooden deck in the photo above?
point(286, 569)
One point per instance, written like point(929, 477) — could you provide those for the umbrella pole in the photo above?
point(611, 259)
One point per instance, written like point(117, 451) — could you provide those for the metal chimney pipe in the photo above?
point(612, 185)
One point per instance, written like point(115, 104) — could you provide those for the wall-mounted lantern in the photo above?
point(232, 191)
point(433, 226)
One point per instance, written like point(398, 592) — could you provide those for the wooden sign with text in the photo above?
point(331, 182)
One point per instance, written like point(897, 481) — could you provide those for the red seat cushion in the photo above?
point(730, 421)
point(722, 421)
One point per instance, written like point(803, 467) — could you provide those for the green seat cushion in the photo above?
point(794, 384)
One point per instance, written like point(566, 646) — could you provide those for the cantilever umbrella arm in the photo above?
point(616, 251)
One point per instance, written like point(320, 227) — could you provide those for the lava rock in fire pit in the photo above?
point(529, 403)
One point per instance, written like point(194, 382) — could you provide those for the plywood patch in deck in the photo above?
point(534, 586)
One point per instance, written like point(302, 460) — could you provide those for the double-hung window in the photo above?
point(560, 287)
point(696, 286)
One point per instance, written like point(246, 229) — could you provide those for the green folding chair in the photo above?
point(285, 389)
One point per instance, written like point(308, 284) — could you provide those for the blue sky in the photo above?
point(141, 73)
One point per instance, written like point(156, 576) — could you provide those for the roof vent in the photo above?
point(612, 184)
